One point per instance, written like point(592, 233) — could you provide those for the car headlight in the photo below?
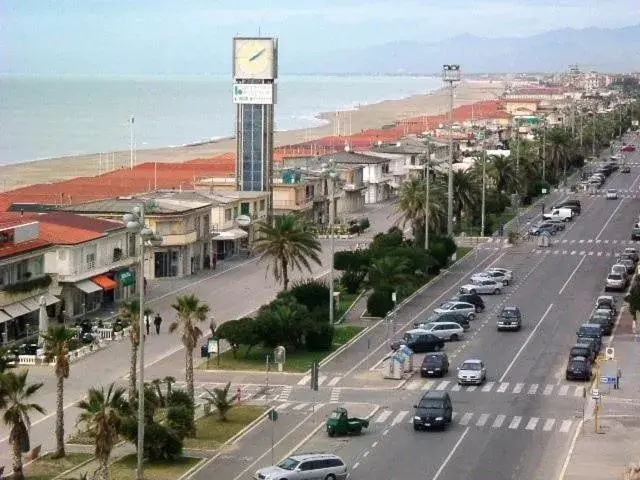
point(416, 418)
point(439, 418)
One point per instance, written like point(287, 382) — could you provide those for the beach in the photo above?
point(353, 121)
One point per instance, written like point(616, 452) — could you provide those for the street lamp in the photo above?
point(426, 204)
point(330, 173)
point(450, 75)
point(135, 223)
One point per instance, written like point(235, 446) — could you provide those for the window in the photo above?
point(38, 266)
point(235, 212)
point(22, 270)
point(164, 228)
point(91, 260)
point(244, 208)
point(262, 205)
point(227, 215)
point(3, 276)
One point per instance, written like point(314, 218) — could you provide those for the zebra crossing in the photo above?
point(579, 253)
point(500, 387)
point(391, 418)
point(322, 380)
point(253, 392)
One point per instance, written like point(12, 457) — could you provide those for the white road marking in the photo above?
point(531, 425)
point(443, 385)
point(282, 406)
point(399, 417)
point(579, 392)
point(414, 385)
point(456, 388)
point(333, 381)
point(428, 384)
point(548, 425)
point(548, 389)
point(497, 423)
point(300, 406)
point(518, 388)
point(515, 422)
point(451, 453)
point(563, 390)
point(321, 379)
point(383, 416)
point(482, 420)
point(503, 387)
point(488, 387)
point(533, 389)
point(465, 419)
point(472, 388)
point(566, 425)
point(304, 380)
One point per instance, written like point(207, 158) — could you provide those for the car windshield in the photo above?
point(614, 276)
point(288, 464)
point(612, 190)
point(509, 313)
point(470, 366)
point(446, 306)
point(579, 352)
point(435, 359)
point(589, 331)
point(430, 403)
point(575, 363)
point(427, 326)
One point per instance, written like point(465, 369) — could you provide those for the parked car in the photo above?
point(579, 368)
point(619, 268)
point(563, 213)
point(575, 205)
point(482, 287)
point(433, 410)
point(434, 364)
point(455, 317)
point(592, 331)
point(306, 467)
point(606, 301)
point(612, 194)
point(507, 273)
point(510, 318)
point(628, 148)
point(582, 350)
point(472, 372)
point(591, 341)
point(419, 341)
point(633, 252)
point(635, 232)
point(464, 308)
point(627, 262)
point(625, 169)
point(493, 275)
point(615, 281)
point(604, 318)
point(558, 223)
point(472, 298)
point(444, 330)
point(543, 227)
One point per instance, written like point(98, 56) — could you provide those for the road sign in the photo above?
point(604, 380)
point(595, 393)
point(273, 415)
point(610, 353)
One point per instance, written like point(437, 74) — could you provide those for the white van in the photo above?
point(564, 214)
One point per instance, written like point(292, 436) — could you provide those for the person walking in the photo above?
point(147, 322)
point(543, 208)
point(618, 377)
point(157, 321)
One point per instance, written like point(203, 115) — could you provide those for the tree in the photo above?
point(221, 400)
point(56, 349)
point(282, 322)
point(102, 414)
point(311, 293)
point(411, 206)
point(559, 143)
point(389, 273)
point(502, 171)
point(465, 192)
point(287, 244)
point(239, 332)
point(191, 311)
point(130, 311)
point(16, 401)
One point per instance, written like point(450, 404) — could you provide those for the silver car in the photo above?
point(615, 281)
point(482, 286)
point(464, 308)
point(444, 330)
point(506, 272)
point(306, 467)
point(472, 372)
point(491, 275)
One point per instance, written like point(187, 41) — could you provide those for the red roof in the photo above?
point(65, 228)
point(22, 247)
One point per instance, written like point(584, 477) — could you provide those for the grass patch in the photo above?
point(462, 251)
point(211, 433)
point(125, 468)
point(46, 468)
point(296, 361)
point(346, 300)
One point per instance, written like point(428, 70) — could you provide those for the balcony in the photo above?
point(96, 267)
point(179, 239)
point(16, 292)
point(292, 205)
point(352, 187)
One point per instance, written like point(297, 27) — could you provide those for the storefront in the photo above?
point(229, 242)
point(21, 319)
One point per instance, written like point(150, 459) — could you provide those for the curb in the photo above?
point(193, 469)
point(338, 351)
point(344, 315)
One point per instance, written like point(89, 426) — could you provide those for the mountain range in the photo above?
point(600, 49)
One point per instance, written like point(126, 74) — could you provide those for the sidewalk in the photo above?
point(605, 455)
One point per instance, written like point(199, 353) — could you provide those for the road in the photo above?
point(521, 422)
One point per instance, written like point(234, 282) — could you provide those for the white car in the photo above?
point(464, 308)
point(497, 276)
point(444, 330)
point(612, 194)
point(482, 286)
point(507, 273)
point(472, 372)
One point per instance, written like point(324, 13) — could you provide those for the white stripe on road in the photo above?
point(465, 419)
point(443, 385)
point(383, 416)
point(579, 392)
point(548, 389)
point(399, 417)
point(497, 423)
point(428, 384)
point(515, 422)
point(333, 381)
point(533, 389)
point(488, 387)
point(282, 406)
point(472, 388)
point(321, 379)
point(503, 387)
point(456, 388)
point(301, 406)
point(482, 420)
point(304, 380)
point(531, 425)
point(548, 425)
point(414, 385)
point(518, 388)
point(563, 390)
point(566, 425)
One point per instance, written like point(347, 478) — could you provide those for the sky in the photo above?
point(194, 36)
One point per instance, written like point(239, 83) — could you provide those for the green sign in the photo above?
point(273, 415)
point(127, 278)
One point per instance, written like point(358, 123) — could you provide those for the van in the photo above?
point(433, 410)
point(563, 213)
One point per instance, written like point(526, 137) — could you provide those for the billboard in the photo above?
point(253, 93)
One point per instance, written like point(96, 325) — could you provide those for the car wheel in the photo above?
point(454, 337)
point(478, 310)
point(505, 283)
point(416, 427)
point(496, 291)
point(472, 292)
point(330, 477)
point(472, 316)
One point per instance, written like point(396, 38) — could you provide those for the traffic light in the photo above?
point(315, 369)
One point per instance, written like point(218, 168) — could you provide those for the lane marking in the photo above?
point(565, 466)
point(443, 385)
point(464, 421)
point(497, 423)
point(524, 345)
point(533, 389)
point(383, 416)
point(333, 381)
point(399, 417)
point(451, 453)
point(563, 390)
point(488, 387)
point(566, 425)
point(428, 384)
point(482, 420)
point(613, 214)
point(515, 422)
point(503, 387)
point(518, 388)
point(548, 425)
point(531, 425)
point(571, 276)
point(548, 389)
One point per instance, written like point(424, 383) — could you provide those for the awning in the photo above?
point(31, 304)
point(50, 299)
point(15, 310)
point(231, 234)
point(4, 317)
point(105, 282)
point(87, 286)
point(394, 185)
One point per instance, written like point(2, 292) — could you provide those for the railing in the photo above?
point(180, 239)
point(292, 205)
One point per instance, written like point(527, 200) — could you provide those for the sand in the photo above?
point(367, 116)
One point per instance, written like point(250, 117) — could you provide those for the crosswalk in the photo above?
point(515, 388)
point(322, 380)
point(598, 241)
point(390, 418)
point(299, 407)
point(247, 392)
point(579, 253)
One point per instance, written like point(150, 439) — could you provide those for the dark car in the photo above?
point(472, 298)
point(574, 205)
point(627, 262)
point(510, 318)
point(434, 364)
point(543, 227)
point(604, 318)
point(592, 342)
point(625, 169)
point(456, 317)
point(591, 330)
point(579, 368)
point(582, 350)
point(419, 341)
point(433, 410)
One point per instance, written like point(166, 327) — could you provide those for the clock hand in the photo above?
point(257, 55)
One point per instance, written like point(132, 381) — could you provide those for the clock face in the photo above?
point(254, 58)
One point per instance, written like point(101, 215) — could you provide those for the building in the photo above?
point(375, 174)
point(254, 93)
point(184, 225)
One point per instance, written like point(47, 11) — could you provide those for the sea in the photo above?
point(52, 116)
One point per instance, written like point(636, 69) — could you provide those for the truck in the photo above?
point(339, 423)
point(564, 214)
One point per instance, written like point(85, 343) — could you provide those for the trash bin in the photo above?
point(204, 351)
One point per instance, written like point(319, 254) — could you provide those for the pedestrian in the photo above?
point(157, 321)
point(212, 327)
point(618, 377)
point(147, 322)
point(542, 208)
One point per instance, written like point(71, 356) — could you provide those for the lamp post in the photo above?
point(134, 222)
point(426, 204)
point(329, 172)
point(484, 165)
point(450, 75)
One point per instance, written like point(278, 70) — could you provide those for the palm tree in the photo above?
point(56, 349)
point(191, 311)
point(17, 408)
point(287, 243)
point(221, 400)
point(130, 311)
point(559, 143)
point(389, 273)
point(465, 192)
point(102, 414)
point(169, 380)
point(502, 171)
point(411, 207)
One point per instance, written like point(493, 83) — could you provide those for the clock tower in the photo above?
point(255, 70)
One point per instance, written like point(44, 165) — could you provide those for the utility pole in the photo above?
point(450, 75)
point(544, 153)
point(484, 165)
point(426, 204)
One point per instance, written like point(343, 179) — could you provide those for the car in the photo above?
point(497, 276)
point(507, 273)
point(619, 268)
point(434, 364)
point(434, 410)
point(503, 276)
point(472, 298)
point(306, 467)
point(419, 341)
point(482, 287)
point(606, 301)
point(472, 372)
point(625, 169)
point(591, 330)
point(558, 223)
point(635, 232)
point(543, 227)
point(612, 194)
point(510, 318)
point(575, 205)
point(628, 148)
point(629, 264)
point(592, 342)
point(464, 308)
point(628, 256)
point(455, 317)
point(579, 368)
point(604, 320)
point(632, 251)
point(444, 330)
point(582, 350)
point(615, 281)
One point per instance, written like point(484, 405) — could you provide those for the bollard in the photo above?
point(239, 396)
